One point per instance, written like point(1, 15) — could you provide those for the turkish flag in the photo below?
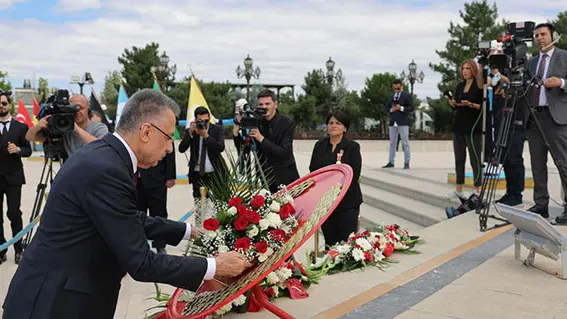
point(23, 116)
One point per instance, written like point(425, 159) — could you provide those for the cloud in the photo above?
point(286, 39)
point(5, 4)
point(76, 5)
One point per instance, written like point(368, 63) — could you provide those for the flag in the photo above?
point(196, 99)
point(122, 98)
point(176, 135)
point(94, 105)
point(35, 110)
point(23, 116)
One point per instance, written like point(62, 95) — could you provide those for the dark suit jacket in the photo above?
point(11, 164)
point(324, 156)
point(215, 146)
point(156, 176)
point(400, 117)
point(276, 150)
point(556, 97)
point(90, 234)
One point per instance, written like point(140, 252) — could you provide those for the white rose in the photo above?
point(272, 278)
point(287, 199)
point(223, 249)
point(252, 232)
point(239, 301)
point(275, 207)
point(274, 219)
point(284, 273)
point(232, 211)
point(263, 192)
point(264, 224)
point(364, 244)
point(211, 234)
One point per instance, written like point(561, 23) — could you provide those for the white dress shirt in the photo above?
point(211, 263)
point(542, 95)
point(4, 119)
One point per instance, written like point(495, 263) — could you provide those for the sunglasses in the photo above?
point(4, 103)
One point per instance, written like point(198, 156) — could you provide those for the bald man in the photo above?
point(85, 130)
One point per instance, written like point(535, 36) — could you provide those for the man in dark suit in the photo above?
point(152, 184)
point(274, 142)
point(550, 103)
point(206, 143)
point(13, 146)
point(91, 233)
point(399, 108)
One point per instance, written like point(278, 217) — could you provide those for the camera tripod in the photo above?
point(248, 162)
point(46, 175)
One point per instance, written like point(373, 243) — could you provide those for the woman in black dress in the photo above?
point(344, 219)
point(467, 124)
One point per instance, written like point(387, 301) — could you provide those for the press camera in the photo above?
point(62, 120)
point(200, 124)
point(250, 118)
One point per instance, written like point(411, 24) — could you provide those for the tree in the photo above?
point(374, 95)
point(5, 85)
point(317, 86)
point(109, 94)
point(479, 19)
point(136, 68)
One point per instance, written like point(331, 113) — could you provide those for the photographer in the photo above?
point(84, 132)
point(206, 143)
point(273, 141)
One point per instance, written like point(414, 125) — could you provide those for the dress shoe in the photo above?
point(388, 165)
point(161, 251)
point(406, 165)
point(510, 200)
point(18, 257)
point(543, 211)
point(561, 219)
point(2, 259)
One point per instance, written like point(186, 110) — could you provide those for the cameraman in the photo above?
point(273, 141)
point(84, 132)
point(206, 143)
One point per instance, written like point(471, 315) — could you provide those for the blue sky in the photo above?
point(59, 38)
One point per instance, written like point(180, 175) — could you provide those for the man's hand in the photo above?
point(196, 232)
point(192, 127)
point(43, 122)
point(78, 129)
point(553, 82)
point(231, 264)
point(204, 133)
point(396, 108)
point(12, 148)
point(170, 183)
point(255, 133)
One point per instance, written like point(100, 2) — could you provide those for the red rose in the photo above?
point(258, 201)
point(211, 224)
point(261, 247)
point(235, 201)
point(377, 244)
point(241, 223)
point(242, 243)
point(270, 292)
point(278, 235)
point(368, 256)
point(388, 250)
point(254, 217)
point(286, 211)
point(289, 266)
point(242, 211)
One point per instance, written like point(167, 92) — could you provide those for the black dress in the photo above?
point(344, 219)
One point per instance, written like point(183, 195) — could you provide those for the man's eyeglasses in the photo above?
point(4, 103)
point(162, 132)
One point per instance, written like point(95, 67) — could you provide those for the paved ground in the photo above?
point(486, 282)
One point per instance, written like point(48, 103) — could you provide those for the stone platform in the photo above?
point(500, 180)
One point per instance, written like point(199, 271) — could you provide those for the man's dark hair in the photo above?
point(397, 81)
point(341, 116)
point(201, 110)
point(547, 25)
point(267, 93)
point(7, 94)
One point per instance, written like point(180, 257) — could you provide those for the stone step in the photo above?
point(371, 217)
point(420, 213)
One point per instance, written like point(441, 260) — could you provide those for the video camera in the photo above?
point(62, 120)
point(467, 204)
point(250, 118)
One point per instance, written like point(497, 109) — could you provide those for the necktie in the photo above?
point(537, 90)
point(203, 157)
point(5, 127)
point(136, 178)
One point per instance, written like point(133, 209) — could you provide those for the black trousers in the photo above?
point(340, 225)
point(197, 180)
point(154, 200)
point(462, 142)
point(13, 198)
point(513, 161)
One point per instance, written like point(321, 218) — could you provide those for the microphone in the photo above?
point(547, 47)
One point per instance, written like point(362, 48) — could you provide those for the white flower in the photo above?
point(284, 273)
point(239, 301)
point(274, 219)
point(265, 255)
point(343, 249)
point(287, 199)
point(263, 192)
point(223, 249)
point(357, 254)
point(378, 256)
point(224, 309)
point(252, 232)
point(232, 211)
point(264, 224)
point(276, 291)
point(272, 278)
point(211, 234)
point(364, 244)
point(275, 207)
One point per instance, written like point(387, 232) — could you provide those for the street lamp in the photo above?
point(248, 72)
point(330, 64)
point(81, 81)
point(163, 69)
point(412, 77)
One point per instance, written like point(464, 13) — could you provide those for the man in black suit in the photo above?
point(273, 142)
point(152, 184)
point(91, 233)
point(206, 143)
point(399, 107)
point(13, 146)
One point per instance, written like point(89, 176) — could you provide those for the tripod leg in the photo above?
point(40, 193)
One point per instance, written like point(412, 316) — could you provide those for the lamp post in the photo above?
point(412, 77)
point(81, 81)
point(163, 69)
point(331, 75)
point(248, 72)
